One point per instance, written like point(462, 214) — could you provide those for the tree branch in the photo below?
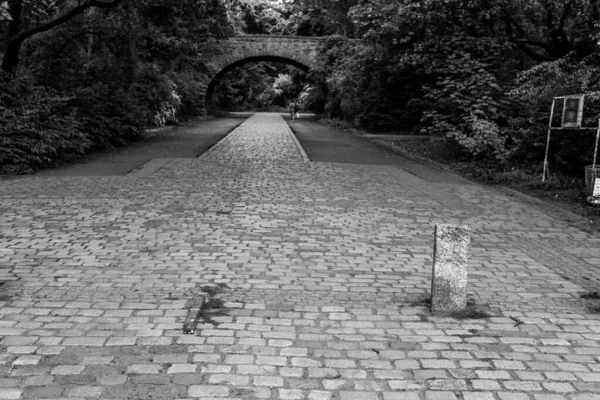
point(15, 9)
point(563, 20)
point(511, 21)
point(565, 15)
point(74, 38)
point(534, 55)
point(66, 17)
point(549, 17)
point(537, 43)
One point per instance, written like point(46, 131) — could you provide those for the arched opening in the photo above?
point(262, 83)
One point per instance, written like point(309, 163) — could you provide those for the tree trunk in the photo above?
point(130, 45)
point(16, 37)
point(131, 56)
point(10, 61)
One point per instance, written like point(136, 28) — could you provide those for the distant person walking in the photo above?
point(293, 109)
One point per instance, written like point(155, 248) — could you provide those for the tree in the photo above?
point(22, 27)
point(97, 78)
point(550, 29)
point(4, 12)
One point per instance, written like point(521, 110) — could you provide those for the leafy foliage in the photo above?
point(365, 84)
point(261, 86)
point(479, 73)
point(447, 67)
point(37, 126)
point(570, 149)
point(292, 17)
point(464, 108)
point(99, 77)
point(4, 11)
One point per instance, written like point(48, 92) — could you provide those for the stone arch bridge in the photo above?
point(298, 51)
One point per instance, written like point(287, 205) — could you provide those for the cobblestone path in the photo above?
point(317, 275)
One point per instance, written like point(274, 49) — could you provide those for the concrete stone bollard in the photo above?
point(450, 258)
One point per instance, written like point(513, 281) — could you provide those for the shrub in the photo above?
point(157, 94)
point(40, 127)
point(570, 150)
point(37, 127)
point(189, 87)
point(111, 116)
point(464, 107)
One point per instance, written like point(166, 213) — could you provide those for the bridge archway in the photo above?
point(217, 78)
point(237, 51)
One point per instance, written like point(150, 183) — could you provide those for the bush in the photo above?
point(570, 150)
point(37, 127)
point(40, 127)
point(189, 87)
point(111, 116)
point(157, 94)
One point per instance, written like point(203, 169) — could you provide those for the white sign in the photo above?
point(595, 197)
point(572, 111)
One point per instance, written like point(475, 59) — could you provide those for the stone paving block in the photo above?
point(67, 370)
point(181, 368)
point(113, 380)
point(270, 381)
point(549, 397)
point(42, 380)
point(84, 341)
point(290, 394)
point(121, 341)
point(85, 391)
point(358, 395)
point(207, 391)
point(10, 393)
point(230, 379)
point(513, 396)
point(319, 395)
point(478, 396)
point(400, 396)
point(143, 369)
point(27, 360)
point(440, 396)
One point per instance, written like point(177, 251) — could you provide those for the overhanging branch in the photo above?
point(65, 17)
point(565, 15)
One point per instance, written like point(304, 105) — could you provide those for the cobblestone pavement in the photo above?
point(317, 274)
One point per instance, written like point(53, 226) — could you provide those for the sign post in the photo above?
point(548, 140)
point(595, 197)
point(572, 115)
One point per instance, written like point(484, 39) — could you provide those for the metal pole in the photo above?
point(596, 149)
point(593, 177)
point(548, 141)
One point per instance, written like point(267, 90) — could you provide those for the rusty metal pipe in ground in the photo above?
point(193, 317)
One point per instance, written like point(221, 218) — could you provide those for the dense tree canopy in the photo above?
point(453, 68)
point(84, 74)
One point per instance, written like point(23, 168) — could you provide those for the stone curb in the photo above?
point(297, 143)
point(220, 143)
point(148, 168)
